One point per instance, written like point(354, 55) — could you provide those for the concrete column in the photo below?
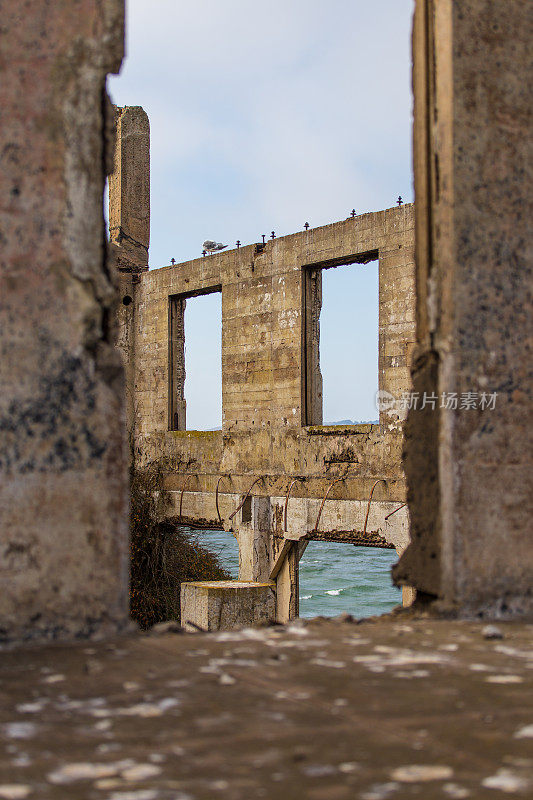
point(129, 189)
point(468, 467)
point(129, 232)
point(63, 481)
point(288, 584)
point(253, 535)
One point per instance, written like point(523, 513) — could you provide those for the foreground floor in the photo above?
point(327, 710)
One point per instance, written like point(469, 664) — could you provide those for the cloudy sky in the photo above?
point(265, 116)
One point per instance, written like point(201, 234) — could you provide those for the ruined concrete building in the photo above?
point(453, 319)
point(289, 478)
point(409, 705)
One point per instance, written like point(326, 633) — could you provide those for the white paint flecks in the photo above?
point(506, 781)
point(325, 662)
point(32, 708)
point(455, 791)
point(524, 733)
point(420, 773)
point(385, 656)
point(140, 772)
point(57, 678)
point(81, 771)
point(491, 632)
point(20, 730)
point(349, 767)
point(14, 791)
point(380, 791)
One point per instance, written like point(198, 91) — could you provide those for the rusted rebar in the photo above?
point(216, 496)
point(183, 490)
point(395, 510)
point(381, 480)
point(245, 497)
point(287, 502)
point(330, 487)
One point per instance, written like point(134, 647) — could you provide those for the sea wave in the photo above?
point(306, 597)
point(334, 592)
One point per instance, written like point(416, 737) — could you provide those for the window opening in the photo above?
point(341, 342)
point(195, 361)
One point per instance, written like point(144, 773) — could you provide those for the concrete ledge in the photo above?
point(226, 605)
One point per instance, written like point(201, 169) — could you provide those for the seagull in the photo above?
point(213, 247)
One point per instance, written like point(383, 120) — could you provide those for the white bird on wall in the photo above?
point(213, 247)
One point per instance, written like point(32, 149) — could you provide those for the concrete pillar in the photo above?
point(129, 189)
point(63, 480)
point(226, 605)
point(468, 468)
point(253, 535)
point(288, 584)
point(129, 232)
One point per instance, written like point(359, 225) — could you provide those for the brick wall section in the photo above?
point(63, 488)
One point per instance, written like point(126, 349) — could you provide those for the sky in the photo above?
point(265, 116)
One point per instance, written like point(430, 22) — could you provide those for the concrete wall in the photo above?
point(469, 471)
point(271, 381)
point(63, 489)
point(63, 500)
point(263, 365)
point(271, 389)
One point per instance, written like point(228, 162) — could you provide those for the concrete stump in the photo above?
point(226, 605)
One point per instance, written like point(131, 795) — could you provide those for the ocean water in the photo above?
point(340, 577)
point(333, 577)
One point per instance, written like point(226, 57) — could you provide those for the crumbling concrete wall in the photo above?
point(469, 470)
point(263, 361)
point(63, 487)
point(271, 392)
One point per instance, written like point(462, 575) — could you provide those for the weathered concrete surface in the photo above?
point(226, 605)
point(129, 231)
point(401, 708)
point(129, 189)
point(271, 383)
point(263, 341)
point(469, 473)
point(63, 488)
point(336, 516)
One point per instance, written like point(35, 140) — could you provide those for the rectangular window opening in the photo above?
point(341, 342)
point(195, 361)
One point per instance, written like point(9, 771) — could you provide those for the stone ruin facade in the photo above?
point(291, 478)
point(63, 456)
